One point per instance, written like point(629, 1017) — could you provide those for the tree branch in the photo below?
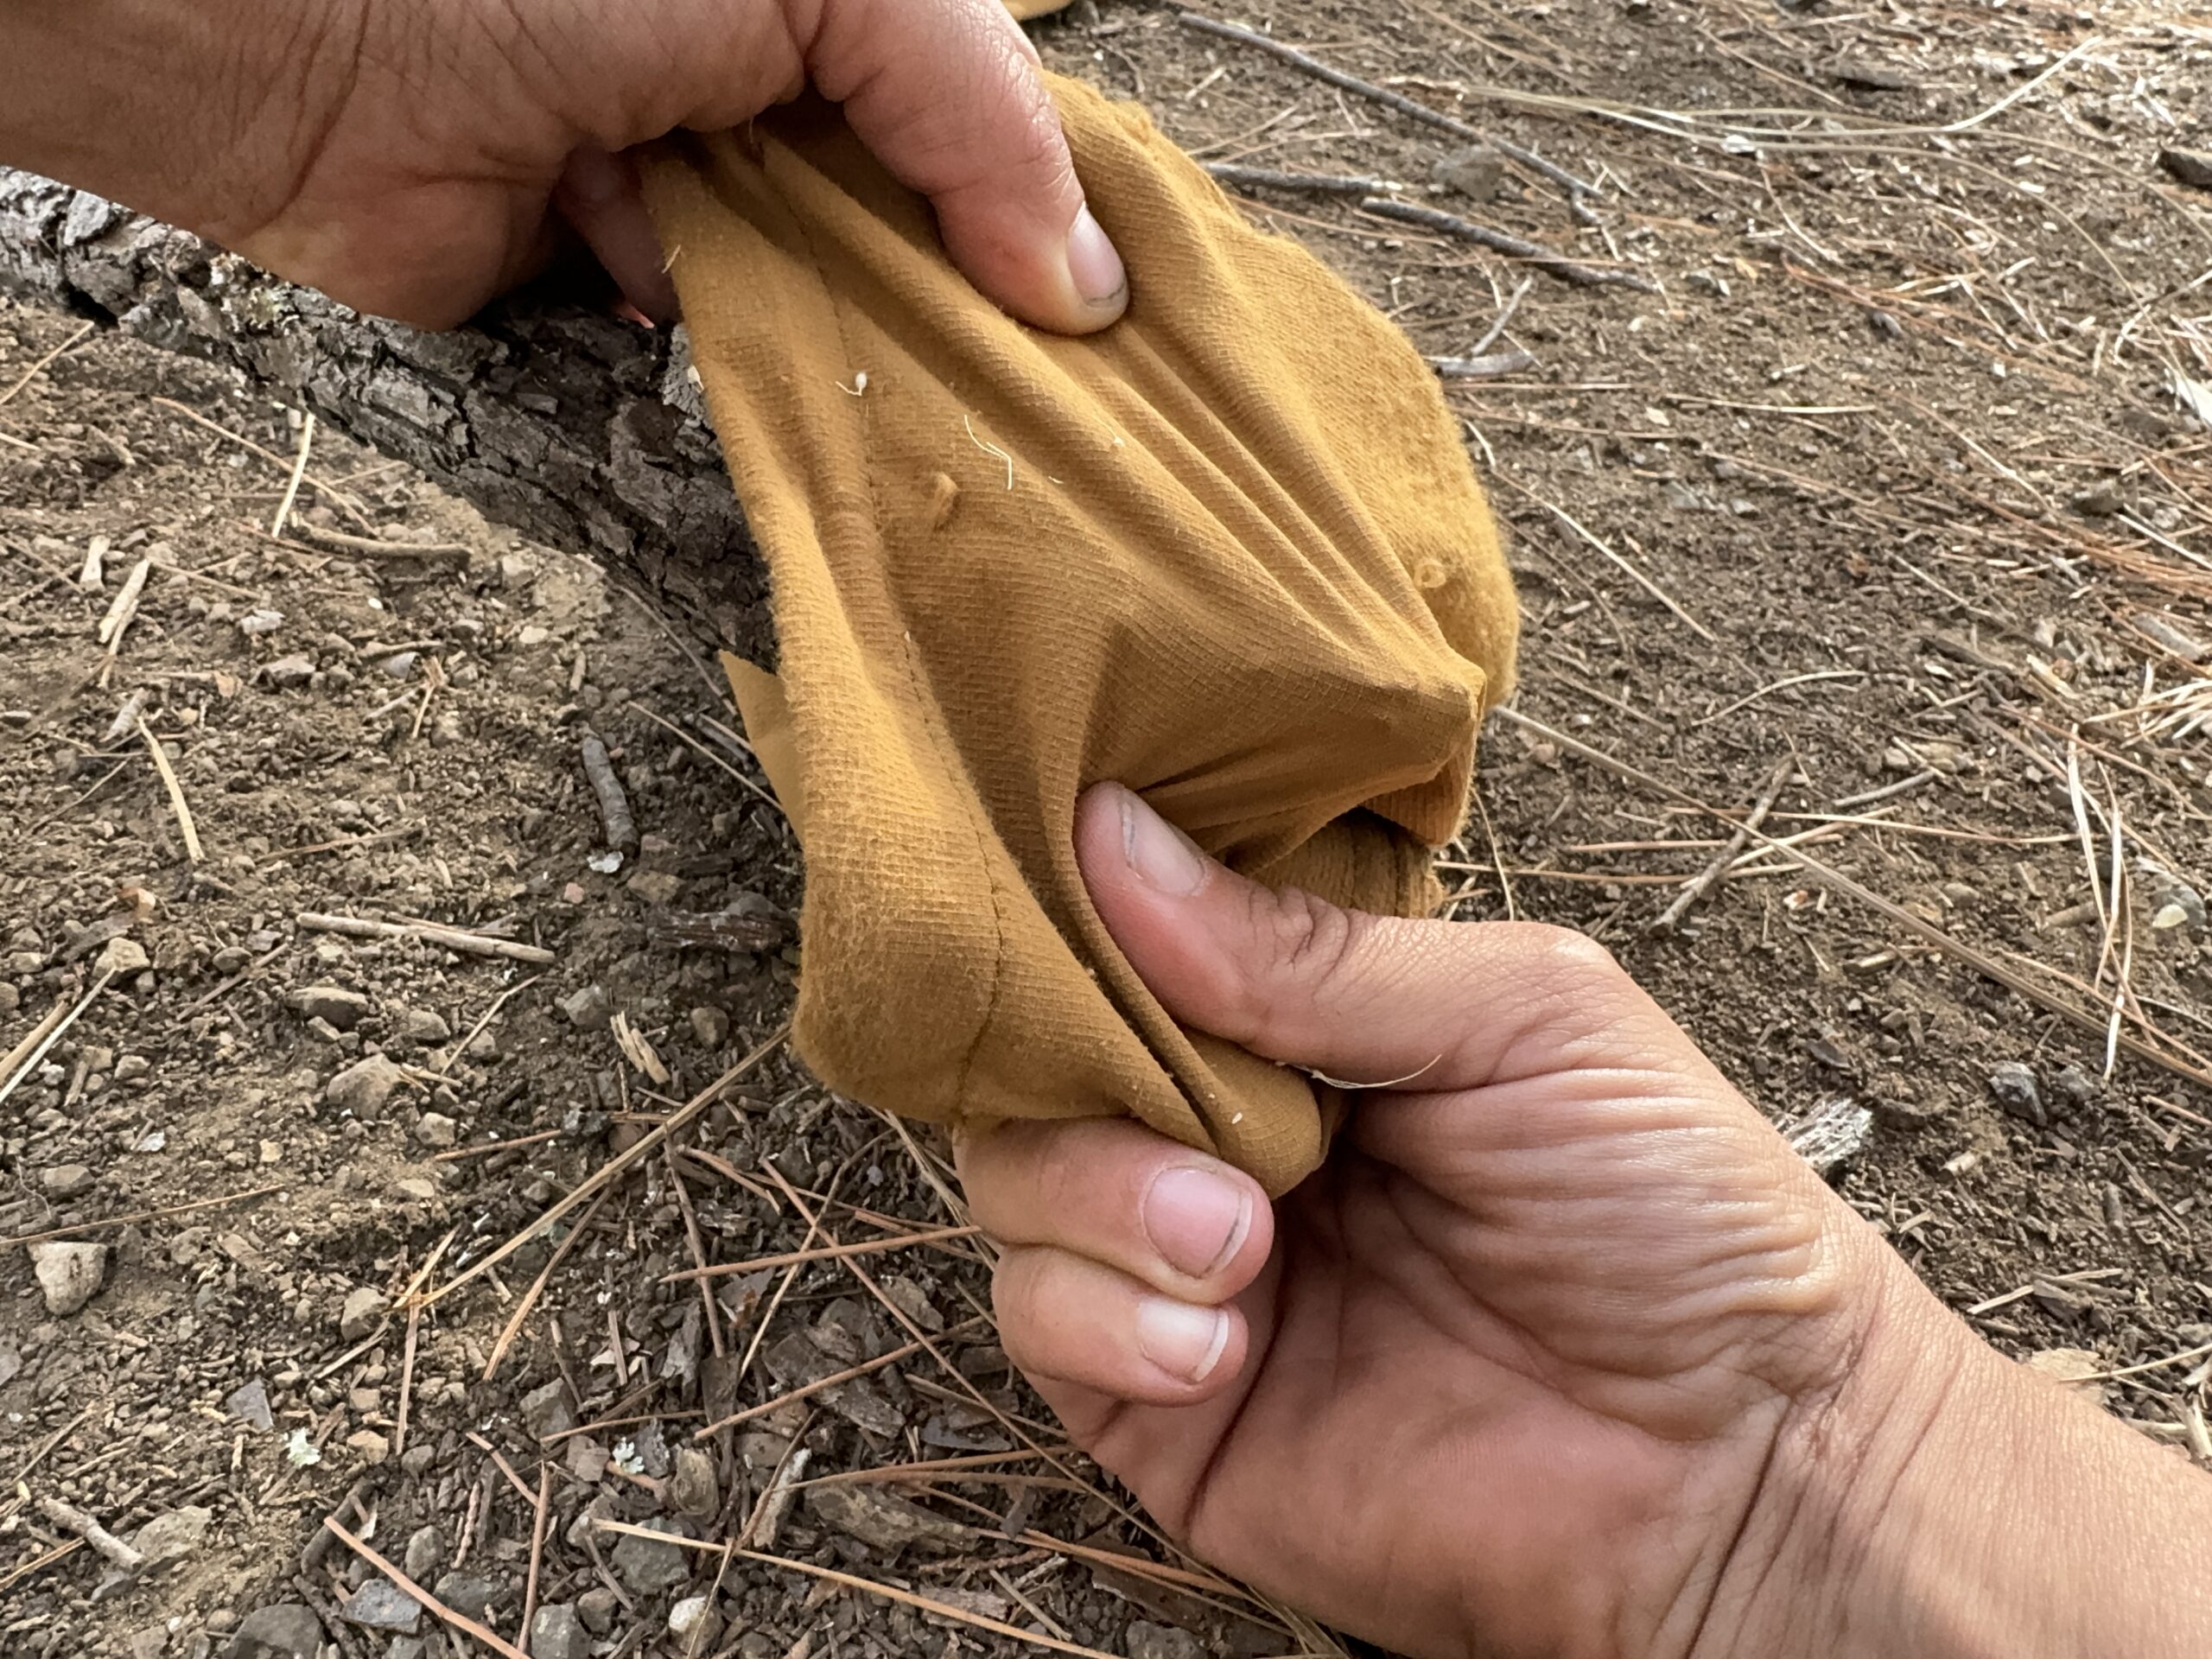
point(583, 432)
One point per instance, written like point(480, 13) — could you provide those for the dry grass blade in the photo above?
point(628, 1159)
point(178, 805)
point(55, 1031)
point(299, 475)
point(852, 1581)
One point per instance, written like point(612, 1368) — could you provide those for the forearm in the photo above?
point(1951, 1504)
point(201, 111)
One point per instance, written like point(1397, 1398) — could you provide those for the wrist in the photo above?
point(1947, 1502)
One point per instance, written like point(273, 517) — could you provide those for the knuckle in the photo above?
point(1306, 946)
point(1575, 961)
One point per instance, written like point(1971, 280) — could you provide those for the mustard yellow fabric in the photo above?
point(1230, 552)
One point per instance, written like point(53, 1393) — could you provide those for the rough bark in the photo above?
point(583, 432)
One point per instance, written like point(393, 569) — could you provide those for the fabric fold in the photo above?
point(1231, 553)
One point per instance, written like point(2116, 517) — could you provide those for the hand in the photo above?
point(408, 156)
point(1563, 1352)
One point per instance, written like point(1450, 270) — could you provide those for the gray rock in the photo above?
point(467, 1594)
point(173, 1535)
point(883, 1519)
point(557, 1633)
point(65, 1181)
point(2071, 1089)
point(364, 1308)
point(123, 956)
point(436, 1130)
point(407, 1647)
point(545, 1410)
point(711, 1025)
point(588, 1009)
point(380, 1605)
point(2191, 167)
point(364, 1087)
point(647, 1565)
point(597, 1607)
point(1475, 172)
point(289, 670)
point(287, 1629)
point(69, 1274)
point(1146, 1641)
point(425, 1554)
point(695, 1626)
point(692, 1488)
point(250, 1405)
point(343, 1008)
point(2012, 1085)
point(421, 1026)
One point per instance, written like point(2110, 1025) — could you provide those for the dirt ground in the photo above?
point(1890, 487)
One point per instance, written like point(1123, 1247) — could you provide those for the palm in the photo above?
point(1563, 1342)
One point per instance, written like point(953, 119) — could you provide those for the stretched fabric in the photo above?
point(1231, 553)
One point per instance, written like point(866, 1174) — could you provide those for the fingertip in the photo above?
point(600, 197)
point(1073, 284)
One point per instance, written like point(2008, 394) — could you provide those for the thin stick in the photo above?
point(827, 1253)
point(461, 1048)
point(830, 1575)
point(39, 1563)
point(178, 805)
point(490, 1638)
point(1320, 184)
point(458, 1153)
point(536, 1550)
point(137, 1216)
point(337, 498)
point(613, 803)
point(1383, 95)
point(513, 1327)
point(698, 1251)
point(807, 1391)
point(406, 1381)
point(339, 540)
point(41, 366)
point(54, 1035)
point(1641, 580)
point(641, 1149)
point(34, 1036)
point(91, 1532)
point(299, 473)
point(1702, 883)
point(453, 938)
point(1548, 261)
point(1491, 367)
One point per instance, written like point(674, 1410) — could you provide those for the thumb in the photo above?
point(950, 96)
point(1362, 998)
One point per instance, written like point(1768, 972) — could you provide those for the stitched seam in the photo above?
point(940, 741)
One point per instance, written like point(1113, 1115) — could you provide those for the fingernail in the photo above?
point(1162, 855)
point(1182, 1340)
point(1197, 1220)
point(1093, 265)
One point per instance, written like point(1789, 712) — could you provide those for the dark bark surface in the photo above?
point(579, 430)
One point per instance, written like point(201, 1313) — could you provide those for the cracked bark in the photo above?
point(583, 432)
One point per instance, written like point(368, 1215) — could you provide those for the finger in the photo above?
point(600, 196)
point(1068, 1320)
point(1116, 1192)
point(949, 94)
point(1433, 1005)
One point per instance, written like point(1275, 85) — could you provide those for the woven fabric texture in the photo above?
point(1230, 552)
